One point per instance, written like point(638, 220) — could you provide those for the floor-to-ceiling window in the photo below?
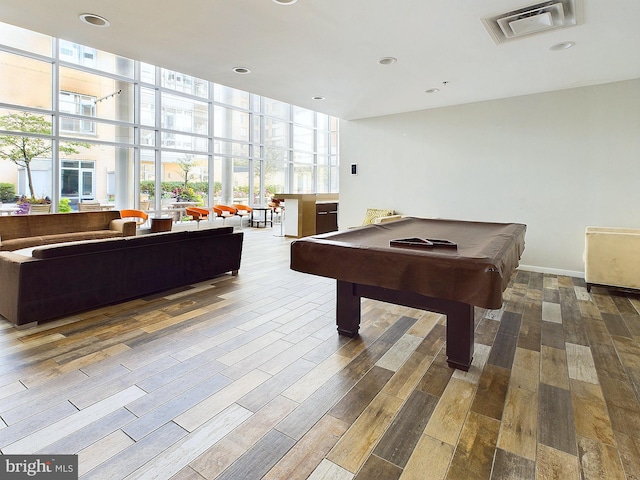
point(77, 123)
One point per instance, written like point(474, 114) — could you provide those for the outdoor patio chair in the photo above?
point(197, 214)
point(89, 206)
point(140, 216)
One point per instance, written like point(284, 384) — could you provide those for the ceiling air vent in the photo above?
point(532, 19)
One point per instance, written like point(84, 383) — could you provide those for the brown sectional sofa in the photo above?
point(23, 231)
point(68, 278)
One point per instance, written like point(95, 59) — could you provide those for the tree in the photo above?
point(187, 164)
point(22, 150)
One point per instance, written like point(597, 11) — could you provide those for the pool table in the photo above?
point(446, 279)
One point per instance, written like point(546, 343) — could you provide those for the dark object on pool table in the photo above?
point(415, 242)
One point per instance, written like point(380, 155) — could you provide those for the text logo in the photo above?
point(49, 467)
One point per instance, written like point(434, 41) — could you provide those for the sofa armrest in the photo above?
point(612, 256)
point(388, 218)
point(123, 225)
point(10, 272)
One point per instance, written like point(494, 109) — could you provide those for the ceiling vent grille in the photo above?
point(533, 19)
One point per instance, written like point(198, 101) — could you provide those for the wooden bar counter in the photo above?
point(300, 212)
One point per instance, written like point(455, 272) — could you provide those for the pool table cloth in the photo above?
point(476, 272)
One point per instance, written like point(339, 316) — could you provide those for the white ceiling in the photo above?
point(331, 47)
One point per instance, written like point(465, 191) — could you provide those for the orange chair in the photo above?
point(197, 214)
point(224, 211)
point(140, 216)
point(276, 205)
point(242, 211)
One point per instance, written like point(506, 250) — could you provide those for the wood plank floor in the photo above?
point(245, 378)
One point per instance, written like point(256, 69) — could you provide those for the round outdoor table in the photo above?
point(161, 224)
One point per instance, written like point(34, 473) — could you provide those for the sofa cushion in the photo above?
point(19, 243)
point(373, 213)
point(91, 246)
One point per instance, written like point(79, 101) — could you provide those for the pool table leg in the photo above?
point(459, 316)
point(459, 335)
point(347, 309)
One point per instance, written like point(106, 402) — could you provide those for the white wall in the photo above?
point(557, 162)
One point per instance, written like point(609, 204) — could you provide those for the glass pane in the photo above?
point(303, 116)
point(184, 178)
point(184, 114)
point(322, 160)
point(322, 140)
point(241, 180)
point(275, 171)
point(184, 142)
point(276, 108)
point(322, 179)
point(231, 148)
point(115, 176)
point(25, 39)
point(147, 73)
point(184, 83)
point(101, 131)
point(257, 199)
point(255, 124)
point(334, 180)
point(255, 102)
point(147, 106)
point(231, 96)
point(70, 182)
point(147, 180)
point(93, 95)
point(276, 133)
point(333, 127)
point(223, 180)
point(147, 137)
point(27, 122)
point(303, 179)
point(303, 158)
point(93, 58)
point(34, 87)
point(334, 142)
point(199, 178)
point(30, 175)
point(230, 123)
point(87, 183)
point(302, 139)
point(323, 121)
point(97, 172)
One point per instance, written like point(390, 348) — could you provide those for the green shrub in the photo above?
point(148, 187)
point(7, 192)
point(64, 206)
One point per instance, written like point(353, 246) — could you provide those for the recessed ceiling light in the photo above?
point(318, 97)
point(387, 60)
point(432, 90)
point(95, 20)
point(285, 2)
point(561, 46)
point(241, 70)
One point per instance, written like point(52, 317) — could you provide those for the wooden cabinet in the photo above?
point(309, 213)
point(326, 217)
